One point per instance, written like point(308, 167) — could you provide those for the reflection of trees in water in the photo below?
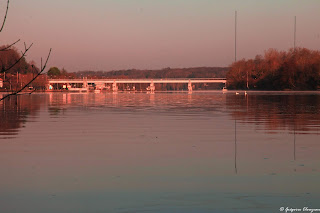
point(299, 112)
point(15, 110)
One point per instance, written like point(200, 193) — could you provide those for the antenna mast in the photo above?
point(235, 36)
point(294, 33)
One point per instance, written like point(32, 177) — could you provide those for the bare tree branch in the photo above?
point(9, 46)
point(5, 17)
point(18, 91)
point(23, 54)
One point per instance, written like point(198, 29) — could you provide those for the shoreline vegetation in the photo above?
point(297, 70)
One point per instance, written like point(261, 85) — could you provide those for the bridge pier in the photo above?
point(85, 83)
point(152, 87)
point(114, 86)
point(189, 86)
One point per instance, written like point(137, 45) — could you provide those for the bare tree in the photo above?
point(23, 54)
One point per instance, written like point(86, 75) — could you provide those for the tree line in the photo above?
point(197, 72)
point(296, 69)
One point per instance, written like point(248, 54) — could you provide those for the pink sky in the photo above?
point(141, 34)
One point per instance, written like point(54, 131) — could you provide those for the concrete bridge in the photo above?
point(83, 84)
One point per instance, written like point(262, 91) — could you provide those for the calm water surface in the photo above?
point(162, 152)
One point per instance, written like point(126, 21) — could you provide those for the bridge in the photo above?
point(83, 84)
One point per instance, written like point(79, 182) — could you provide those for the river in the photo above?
point(163, 152)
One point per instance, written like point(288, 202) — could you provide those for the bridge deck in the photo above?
point(172, 80)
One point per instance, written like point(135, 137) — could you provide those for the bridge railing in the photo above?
point(138, 79)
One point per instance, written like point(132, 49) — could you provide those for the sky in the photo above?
point(155, 34)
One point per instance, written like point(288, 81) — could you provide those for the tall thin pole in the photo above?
point(294, 33)
point(235, 147)
point(294, 143)
point(235, 36)
point(247, 80)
